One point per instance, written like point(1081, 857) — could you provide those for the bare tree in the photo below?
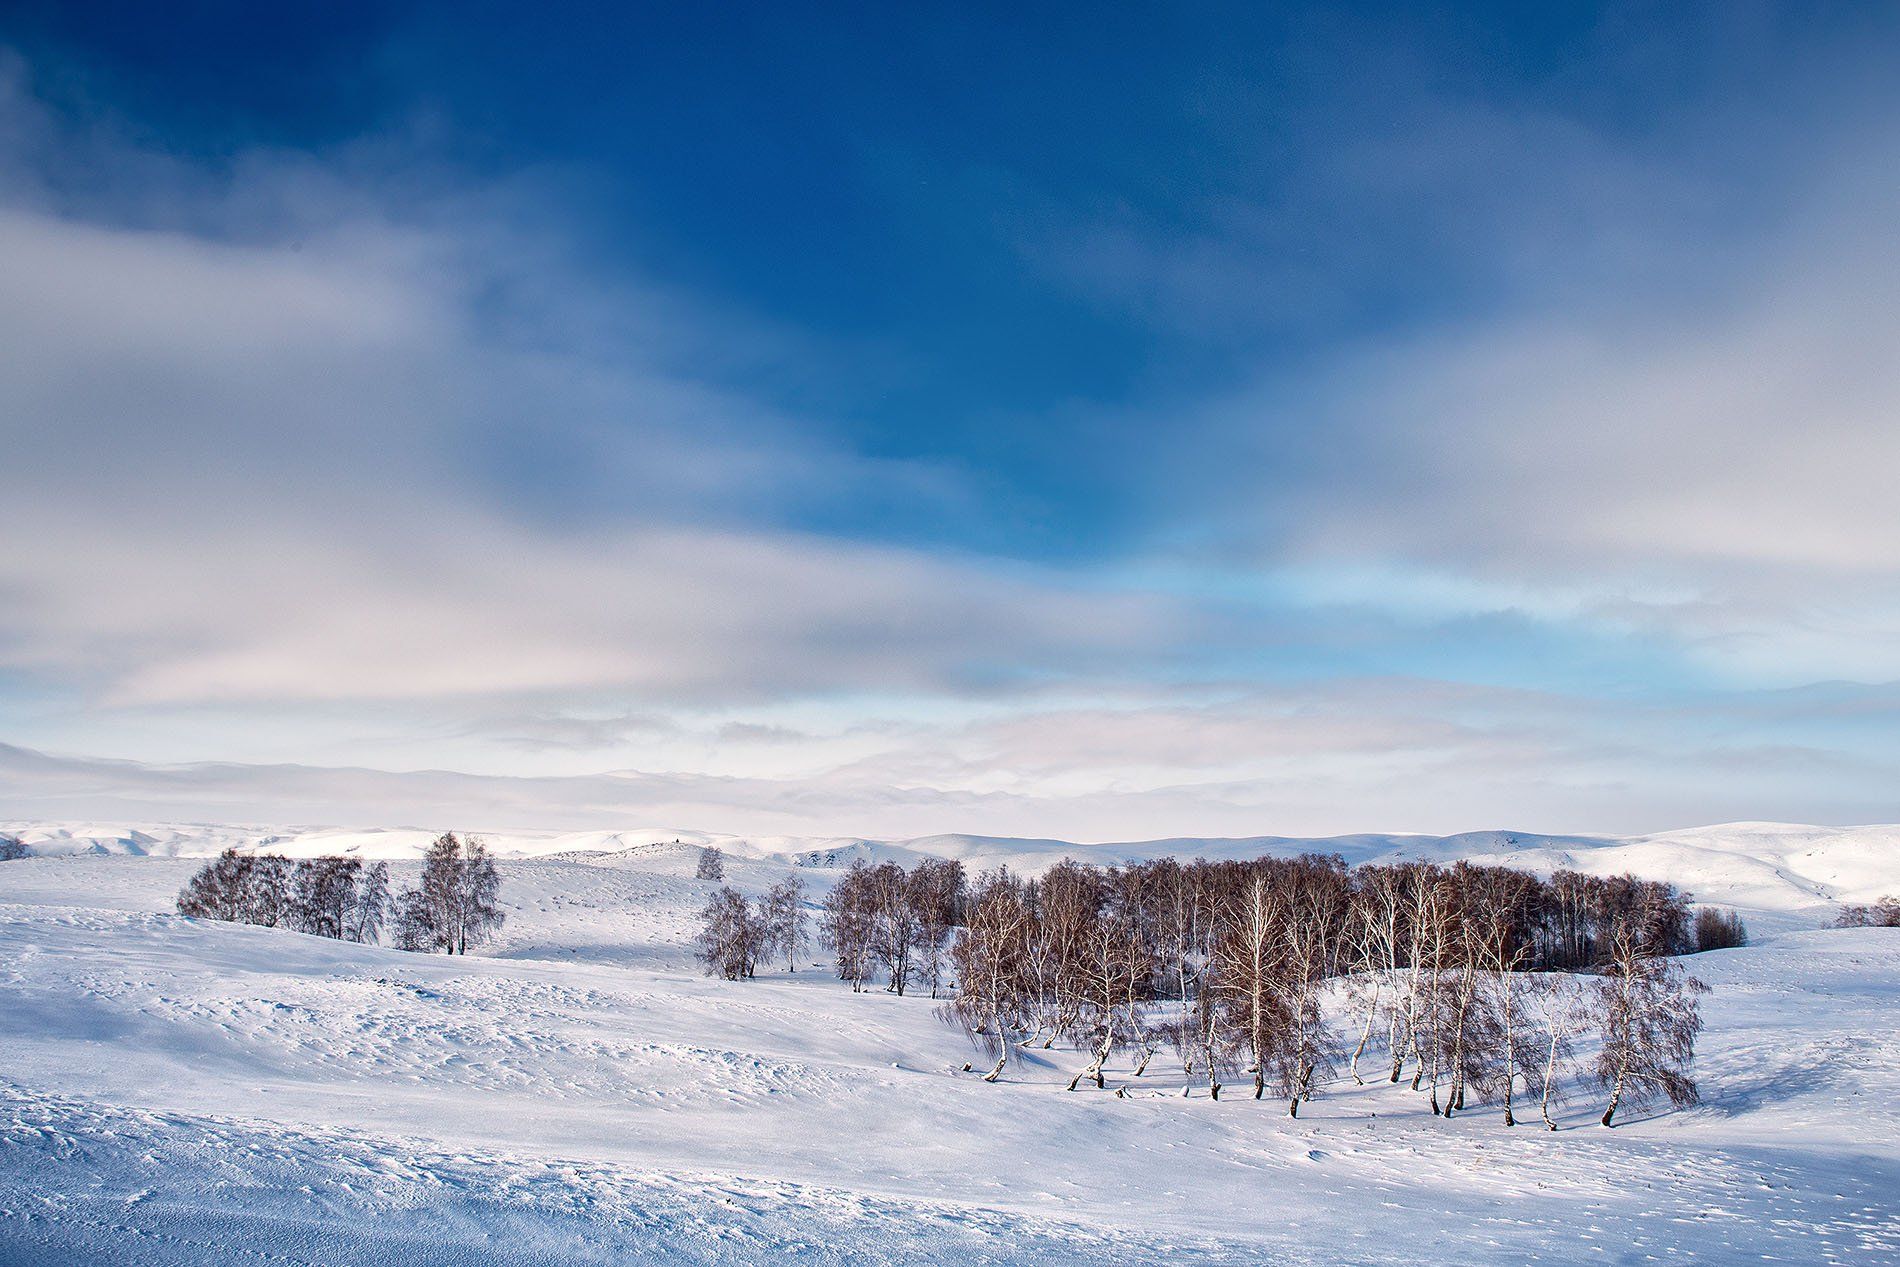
point(12, 848)
point(1649, 1017)
point(1429, 991)
point(454, 904)
point(370, 905)
point(1067, 900)
point(848, 925)
point(323, 891)
point(712, 864)
point(1316, 909)
point(936, 890)
point(218, 890)
point(267, 890)
point(894, 923)
point(1502, 907)
point(1202, 1036)
point(1559, 1011)
point(439, 888)
point(1132, 922)
point(1176, 894)
point(991, 963)
point(313, 896)
point(1719, 930)
point(732, 935)
point(1372, 940)
point(1114, 969)
point(479, 918)
point(1446, 959)
point(415, 927)
point(785, 920)
point(1394, 903)
point(1244, 968)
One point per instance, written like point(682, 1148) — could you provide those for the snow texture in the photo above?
point(176, 1091)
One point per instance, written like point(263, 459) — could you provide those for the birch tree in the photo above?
point(1244, 965)
point(785, 920)
point(1650, 1019)
point(369, 905)
point(991, 963)
point(732, 936)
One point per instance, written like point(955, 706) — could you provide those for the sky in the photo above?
point(896, 419)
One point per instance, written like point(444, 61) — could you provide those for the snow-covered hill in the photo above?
point(182, 1092)
point(1783, 875)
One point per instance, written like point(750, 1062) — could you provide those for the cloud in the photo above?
point(1495, 345)
point(1695, 454)
point(317, 436)
point(463, 605)
point(543, 732)
point(1385, 754)
point(348, 436)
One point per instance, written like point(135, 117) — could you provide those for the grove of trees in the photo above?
point(738, 937)
point(1464, 976)
point(1476, 984)
point(452, 907)
point(886, 920)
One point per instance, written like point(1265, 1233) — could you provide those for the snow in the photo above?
point(177, 1091)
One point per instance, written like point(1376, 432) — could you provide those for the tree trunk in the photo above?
point(1094, 1069)
point(1002, 1056)
point(1616, 1097)
point(1365, 1036)
point(1550, 1071)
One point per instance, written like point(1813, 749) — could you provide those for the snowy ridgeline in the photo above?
point(183, 1091)
point(1782, 876)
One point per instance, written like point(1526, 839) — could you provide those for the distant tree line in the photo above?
point(12, 848)
point(452, 907)
point(1882, 914)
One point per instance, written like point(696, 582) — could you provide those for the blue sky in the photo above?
point(889, 419)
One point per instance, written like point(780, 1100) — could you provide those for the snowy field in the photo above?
point(175, 1091)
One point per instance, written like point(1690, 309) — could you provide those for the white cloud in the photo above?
point(311, 440)
point(1702, 457)
point(290, 444)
